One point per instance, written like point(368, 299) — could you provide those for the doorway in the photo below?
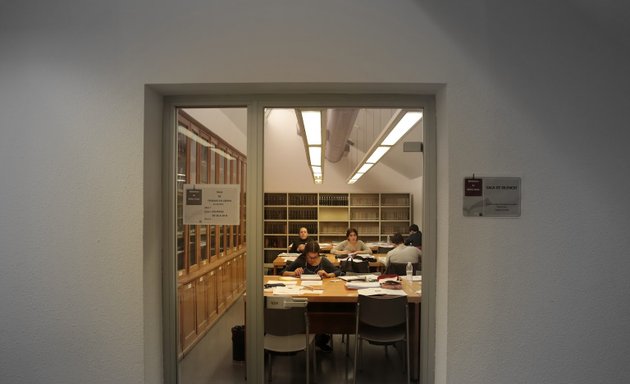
point(258, 111)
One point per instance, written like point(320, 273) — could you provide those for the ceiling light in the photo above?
point(403, 126)
point(313, 127)
point(402, 121)
point(365, 168)
point(313, 136)
point(376, 156)
point(192, 135)
point(315, 155)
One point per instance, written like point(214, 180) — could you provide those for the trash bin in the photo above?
point(238, 343)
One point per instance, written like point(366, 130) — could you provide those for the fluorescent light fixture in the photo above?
point(378, 153)
point(313, 127)
point(192, 135)
point(184, 131)
point(365, 168)
point(221, 152)
point(402, 121)
point(403, 126)
point(315, 155)
point(313, 135)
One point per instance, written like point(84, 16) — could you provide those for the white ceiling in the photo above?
point(367, 127)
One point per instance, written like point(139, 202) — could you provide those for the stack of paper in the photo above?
point(362, 284)
point(288, 257)
point(312, 283)
point(310, 277)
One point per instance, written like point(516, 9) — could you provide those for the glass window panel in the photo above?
point(203, 165)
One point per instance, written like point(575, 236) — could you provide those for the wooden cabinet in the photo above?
point(187, 314)
point(204, 158)
point(327, 216)
point(210, 258)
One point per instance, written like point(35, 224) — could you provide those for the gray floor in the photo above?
point(211, 360)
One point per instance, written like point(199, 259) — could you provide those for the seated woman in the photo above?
point(310, 262)
point(351, 245)
point(298, 244)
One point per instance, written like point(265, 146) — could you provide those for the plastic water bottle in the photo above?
point(409, 271)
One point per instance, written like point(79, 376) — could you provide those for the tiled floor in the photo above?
point(211, 360)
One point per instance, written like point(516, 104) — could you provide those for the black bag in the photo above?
point(350, 265)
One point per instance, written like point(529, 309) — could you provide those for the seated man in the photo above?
point(402, 253)
point(415, 236)
point(298, 244)
point(311, 262)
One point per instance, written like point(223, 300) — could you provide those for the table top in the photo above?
point(335, 291)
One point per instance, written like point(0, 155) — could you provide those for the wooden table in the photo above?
point(334, 310)
point(280, 263)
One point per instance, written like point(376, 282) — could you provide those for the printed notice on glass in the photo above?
point(211, 204)
point(492, 196)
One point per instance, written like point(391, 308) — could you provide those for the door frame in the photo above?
point(256, 98)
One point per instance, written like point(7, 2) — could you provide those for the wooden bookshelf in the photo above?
point(327, 216)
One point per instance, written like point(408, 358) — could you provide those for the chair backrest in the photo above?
point(350, 265)
point(382, 311)
point(286, 322)
point(401, 268)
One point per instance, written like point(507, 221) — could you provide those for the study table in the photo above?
point(333, 310)
point(280, 262)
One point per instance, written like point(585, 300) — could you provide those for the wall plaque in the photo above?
point(211, 204)
point(492, 196)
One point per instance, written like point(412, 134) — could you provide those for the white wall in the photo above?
point(535, 90)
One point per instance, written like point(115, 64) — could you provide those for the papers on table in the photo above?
point(363, 277)
point(294, 290)
point(310, 277)
point(362, 284)
point(288, 257)
point(381, 291)
point(290, 290)
point(312, 283)
point(285, 282)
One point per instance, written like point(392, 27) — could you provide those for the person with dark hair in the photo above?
point(351, 245)
point(298, 244)
point(415, 236)
point(310, 262)
point(402, 253)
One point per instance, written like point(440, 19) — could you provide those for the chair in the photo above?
point(349, 265)
point(287, 332)
point(382, 320)
point(401, 268)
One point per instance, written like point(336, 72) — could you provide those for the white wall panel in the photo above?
point(535, 90)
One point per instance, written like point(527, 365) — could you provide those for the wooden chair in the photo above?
point(382, 320)
point(287, 332)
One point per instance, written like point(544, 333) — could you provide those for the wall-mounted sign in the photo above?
point(492, 196)
point(211, 204)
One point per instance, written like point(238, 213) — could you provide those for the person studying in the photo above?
point(415, 236)
point(351, 245)
point(310, 262)
point(298, 244)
